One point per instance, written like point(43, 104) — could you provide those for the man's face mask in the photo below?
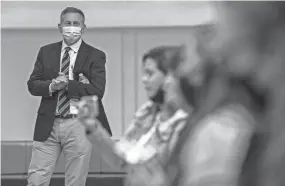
point(71, 33)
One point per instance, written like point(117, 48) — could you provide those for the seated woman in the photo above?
point(150, 138)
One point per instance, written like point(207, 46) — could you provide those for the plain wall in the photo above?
point(124, 91)
point(45, 14)
point(124, 30)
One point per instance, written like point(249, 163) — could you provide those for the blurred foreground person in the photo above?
point(236, 135)
point(212, 147)
point(255, 52)
point(148, 142)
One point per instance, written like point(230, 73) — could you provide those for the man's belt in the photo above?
point(68, 116)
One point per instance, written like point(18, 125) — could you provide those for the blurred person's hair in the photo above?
point(164, 56)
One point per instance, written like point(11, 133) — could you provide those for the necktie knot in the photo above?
point(67, 49)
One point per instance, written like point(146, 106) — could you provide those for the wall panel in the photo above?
point(129, 75)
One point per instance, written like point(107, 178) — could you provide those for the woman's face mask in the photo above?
point(71, 34)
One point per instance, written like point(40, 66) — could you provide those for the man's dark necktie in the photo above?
point(63, 101)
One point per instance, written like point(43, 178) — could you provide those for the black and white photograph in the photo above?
point(142, 93)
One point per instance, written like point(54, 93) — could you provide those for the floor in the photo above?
point(59, 181)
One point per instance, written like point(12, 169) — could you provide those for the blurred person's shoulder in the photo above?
point(232, 121)
point(228, 122)
point(237, 114)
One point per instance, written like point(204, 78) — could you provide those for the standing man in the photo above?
point(63, 73)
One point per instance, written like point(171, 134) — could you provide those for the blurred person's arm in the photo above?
point(97, 135)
